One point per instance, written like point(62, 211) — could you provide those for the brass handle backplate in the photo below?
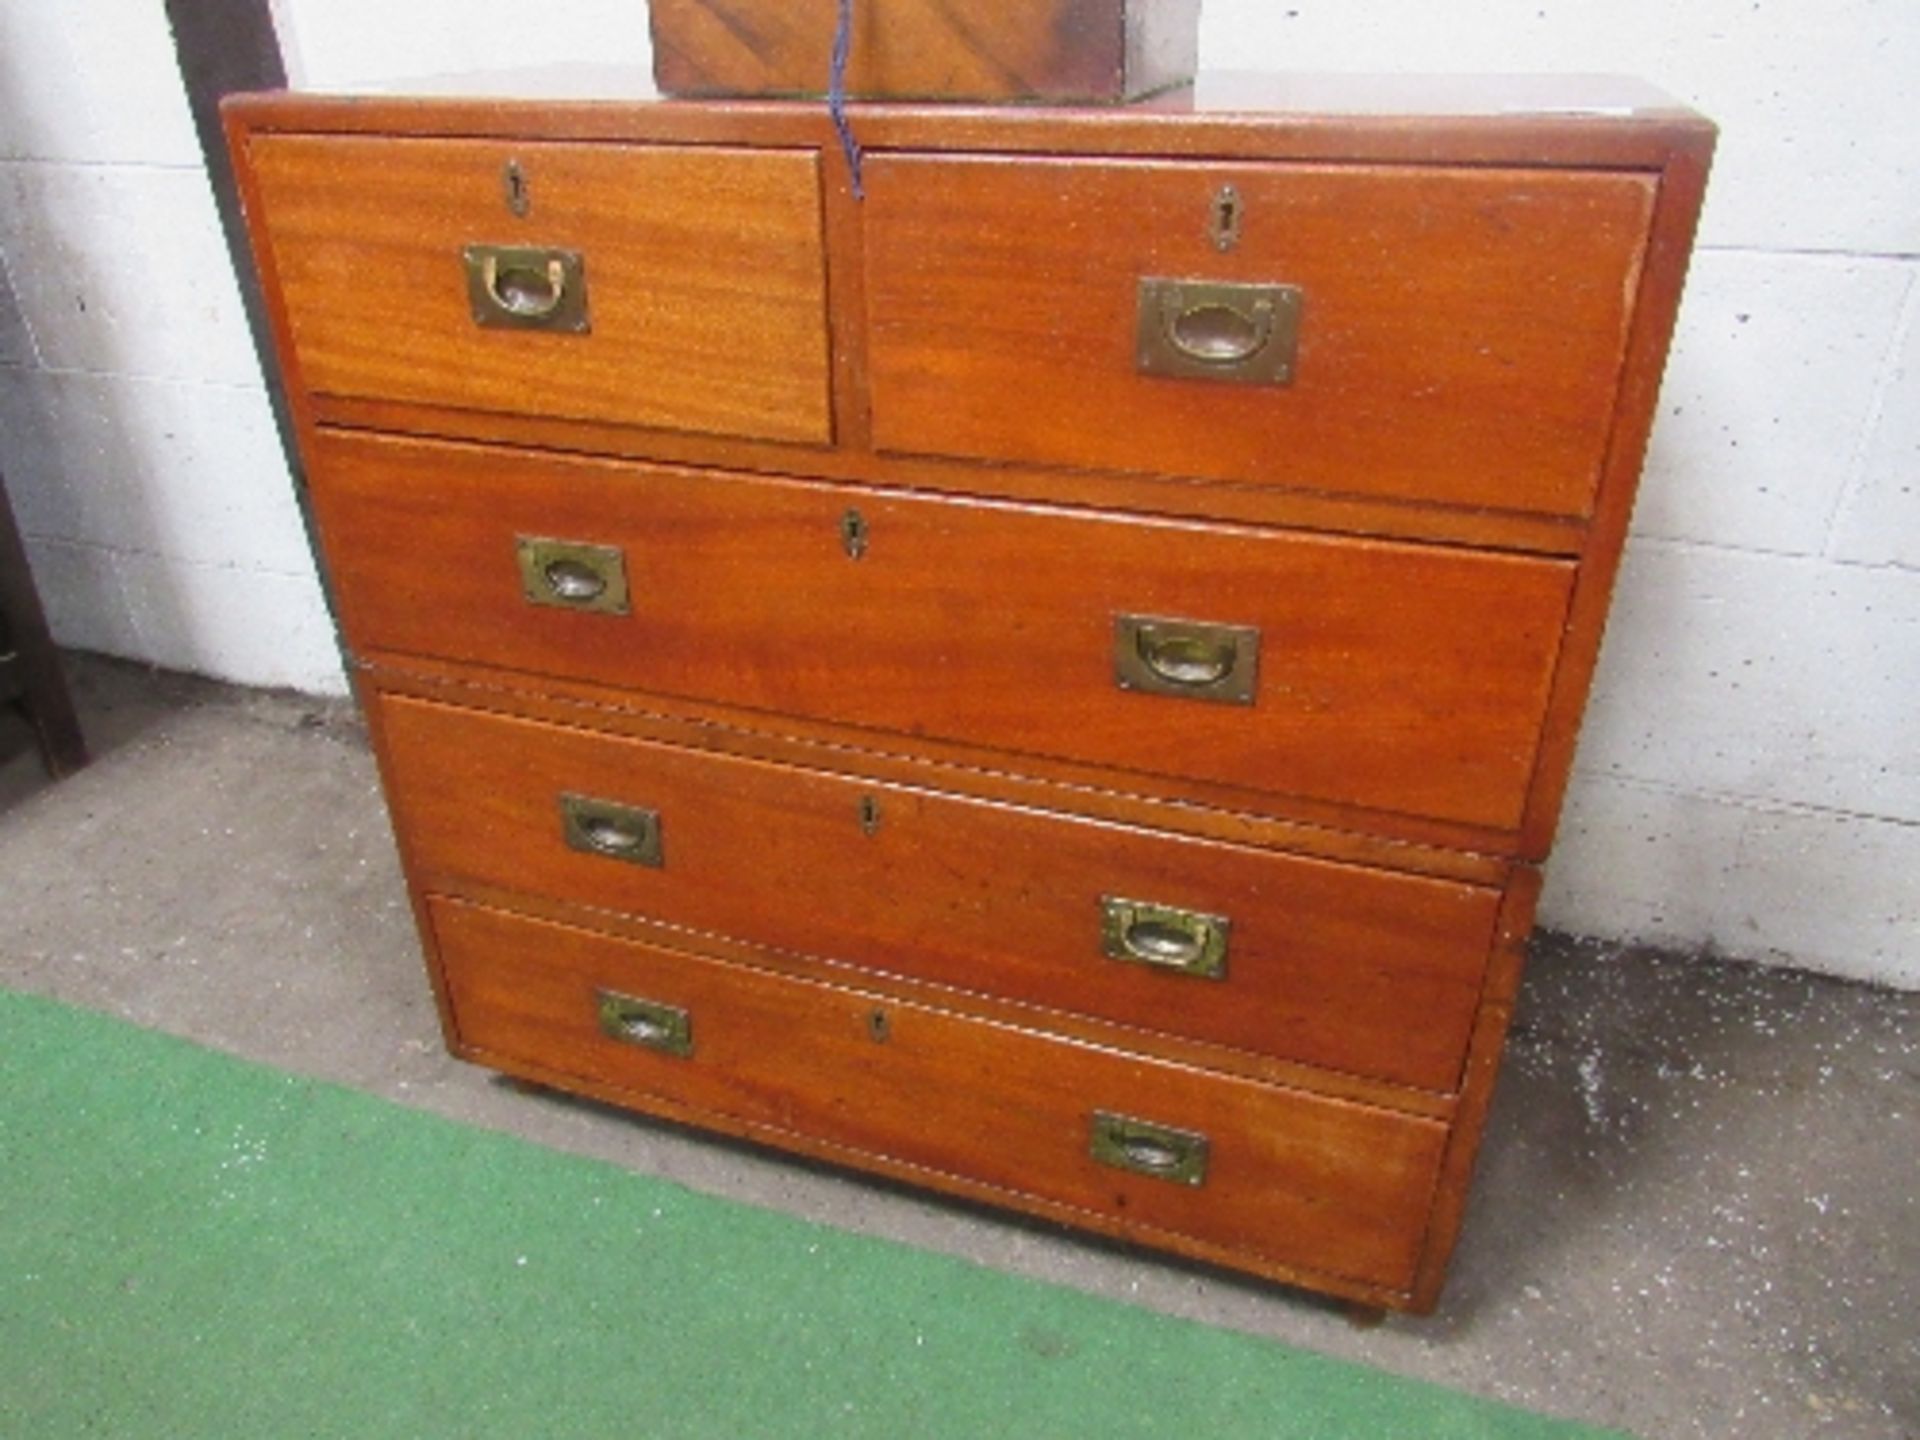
point(1209, 330)
point(572, 574)
point(519, 287)
point(1195, 659)
point(647, 1023)
point(1185, 942)
point(616, 832)
point(1141, 1146)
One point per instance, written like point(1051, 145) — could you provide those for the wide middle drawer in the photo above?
point(1338, 965)
point(1398, 677)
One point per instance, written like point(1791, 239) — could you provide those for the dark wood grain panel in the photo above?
point(1460, 338)
point(1334, 965)
point(1293, 1178)
point(1393, 676)
point(705, 278)
point(930, 49)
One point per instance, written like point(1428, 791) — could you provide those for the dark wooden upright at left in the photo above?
point(30, 678)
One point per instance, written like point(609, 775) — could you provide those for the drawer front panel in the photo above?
point(691, 293)
point(1289, 1177)
point(1398, 677)
point(1459, 332)
point(1335, 965)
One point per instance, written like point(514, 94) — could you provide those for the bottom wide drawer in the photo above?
point(1275, 1180)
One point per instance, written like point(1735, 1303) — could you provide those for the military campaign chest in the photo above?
point(1050, 679)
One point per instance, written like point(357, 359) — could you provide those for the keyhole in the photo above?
point(877, 1026)
point(514, 181)
point(869, 814)
point(853, 534)
point(1226, 218)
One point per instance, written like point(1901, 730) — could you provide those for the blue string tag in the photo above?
point(837, 96)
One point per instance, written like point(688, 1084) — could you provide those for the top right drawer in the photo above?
point(1416, 333)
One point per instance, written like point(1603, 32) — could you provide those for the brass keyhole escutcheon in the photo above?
point(853, 534)
point(877, 1027)
point(1224, 222)
point(870, 814)
point(513, 182)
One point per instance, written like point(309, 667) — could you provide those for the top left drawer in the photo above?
point(668, 286)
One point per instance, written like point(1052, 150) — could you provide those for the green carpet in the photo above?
point(195, 1246)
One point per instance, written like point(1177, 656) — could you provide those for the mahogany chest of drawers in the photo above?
point(1050, 678)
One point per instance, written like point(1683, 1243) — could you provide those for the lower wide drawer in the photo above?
point(1273, 1179)
point(1342, 966)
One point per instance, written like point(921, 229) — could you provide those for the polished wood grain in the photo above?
point(1504, 968)
point(824, 687)
point(1180, 497)
point(704, 274)
point(1460, 339)
point(1390, 675)
point(534, 1076)
point(1538, 120)
point(998, 1009)
point(930, 49)
point(1209, 813)
point(1333, 965)
point(1293, 1177)
point(1225, 809)
point(1682, 192)
point(1355, 119)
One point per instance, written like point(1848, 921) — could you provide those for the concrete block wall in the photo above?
point(135, 435)
point(1748, 778)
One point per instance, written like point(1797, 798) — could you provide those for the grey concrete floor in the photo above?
point(1695, 1213)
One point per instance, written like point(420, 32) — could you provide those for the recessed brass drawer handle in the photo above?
point(617, 832)
point(571, 580)
point(518, 287)
point(1186, 942)
point(1179, 1156)
point(1192, 658)
point(1209, 330)
point(647, 1023)
point(1185, 657)
point(1218, 334)
point(572, 574)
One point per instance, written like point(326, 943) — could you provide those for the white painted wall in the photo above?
point(1749, 776)
point(134, 431)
